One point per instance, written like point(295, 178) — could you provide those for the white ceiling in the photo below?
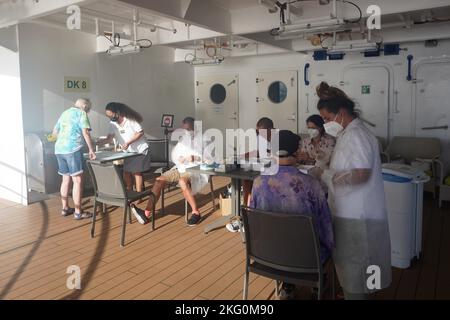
point(235, 4)
point(259, 22)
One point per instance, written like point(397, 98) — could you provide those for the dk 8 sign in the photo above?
point(73, 84)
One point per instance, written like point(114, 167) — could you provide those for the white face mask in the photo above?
point(333, 128)
point(313, 133)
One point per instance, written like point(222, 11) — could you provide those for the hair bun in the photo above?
point(323, 90)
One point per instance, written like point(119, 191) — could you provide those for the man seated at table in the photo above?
point(290, 191)
point(184, 156)
point(263, 133)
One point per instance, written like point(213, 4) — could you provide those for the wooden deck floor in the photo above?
point(173, 262)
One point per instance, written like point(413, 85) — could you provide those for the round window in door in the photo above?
point(218, 93)
point(277, 92)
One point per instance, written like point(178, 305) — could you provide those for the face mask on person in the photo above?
point(313, 133)
point(115, 118)
point(333, 128)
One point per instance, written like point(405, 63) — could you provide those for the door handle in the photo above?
point(293, 117)
point(305, 74)
point(410, 59)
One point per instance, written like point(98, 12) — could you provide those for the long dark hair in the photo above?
point(124, 110)
point(334, 99)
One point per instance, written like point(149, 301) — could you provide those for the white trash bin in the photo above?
point(403, 186)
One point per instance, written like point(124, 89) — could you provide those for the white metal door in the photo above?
point(432, 103)
point(277, 98)
point(217, 101)
point(369, 87)
point(313, 75)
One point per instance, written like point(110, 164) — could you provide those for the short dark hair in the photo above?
point(265, 123)
point(189, 120)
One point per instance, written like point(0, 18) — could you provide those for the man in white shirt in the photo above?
point(264, 135)
point(183, 156)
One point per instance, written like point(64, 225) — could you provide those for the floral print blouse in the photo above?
point(321, 152)
point(290, 191)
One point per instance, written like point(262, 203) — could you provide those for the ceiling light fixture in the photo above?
point(206, 62)
point(363, 46)
point(119, 51)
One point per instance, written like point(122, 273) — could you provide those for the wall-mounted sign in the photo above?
point(365, 90)
point(77, 84)
point(167, 121)
point(218, 109)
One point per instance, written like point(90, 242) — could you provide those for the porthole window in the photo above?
point(277, 92)
point(218, 93)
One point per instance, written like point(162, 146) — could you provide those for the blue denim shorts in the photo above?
point(70, 164)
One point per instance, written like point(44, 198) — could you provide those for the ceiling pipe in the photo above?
point(110, 17)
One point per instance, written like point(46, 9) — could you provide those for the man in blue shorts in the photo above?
point(72, 126)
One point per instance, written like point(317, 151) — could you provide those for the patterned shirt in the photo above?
point(321, 152)
point(290, 191)
point(70, 130)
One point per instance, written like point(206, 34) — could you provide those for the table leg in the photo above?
point(236, 207)
point(236, 191)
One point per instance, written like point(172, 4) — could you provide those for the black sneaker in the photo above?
point(139, 214)
point(193, 220)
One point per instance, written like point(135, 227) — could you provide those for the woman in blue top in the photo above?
point(72, 126)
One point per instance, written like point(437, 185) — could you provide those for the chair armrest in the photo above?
point(440, 170)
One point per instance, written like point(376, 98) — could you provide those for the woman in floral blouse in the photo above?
point(317, 148)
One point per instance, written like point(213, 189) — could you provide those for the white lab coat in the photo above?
point(359, 211)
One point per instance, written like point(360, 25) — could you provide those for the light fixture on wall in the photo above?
point(362, 46)
point(118, 51)
point(135, 44)
point(304, 28)
point(205, 62)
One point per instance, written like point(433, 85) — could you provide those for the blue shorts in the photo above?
point(70, 164)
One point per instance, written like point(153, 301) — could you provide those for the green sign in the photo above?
point(365, 89)
point(77, 84)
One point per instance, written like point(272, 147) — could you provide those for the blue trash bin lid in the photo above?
point(393, 178)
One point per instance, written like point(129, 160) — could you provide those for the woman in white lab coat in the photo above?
point(362, 255)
